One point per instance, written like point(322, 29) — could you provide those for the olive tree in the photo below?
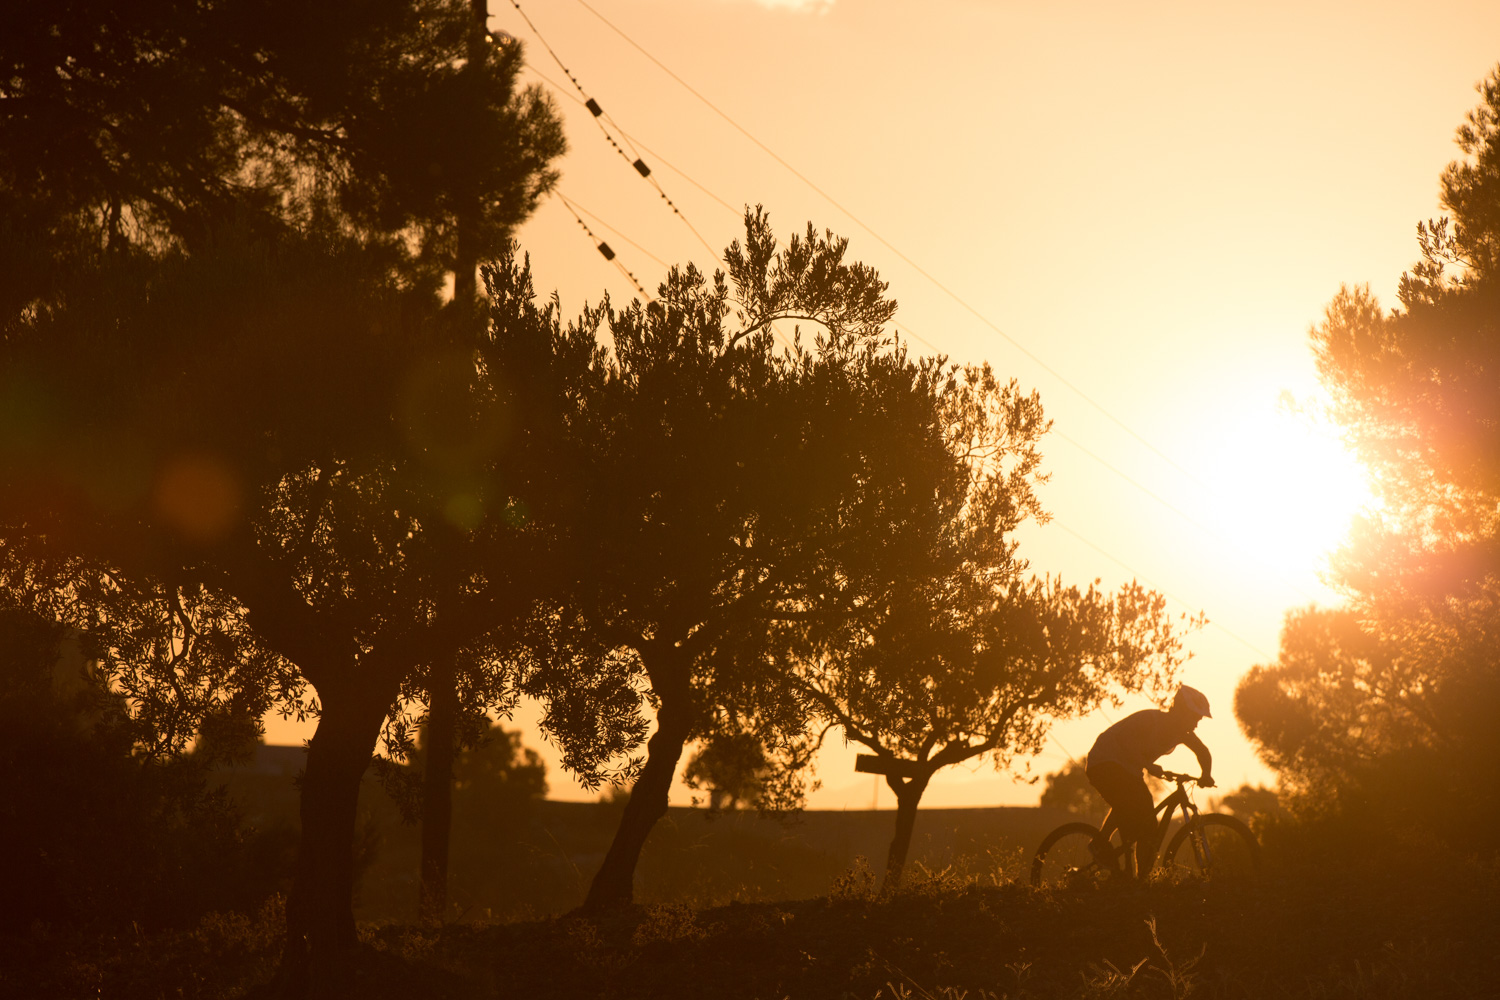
point(736, 484)
point(970, 656)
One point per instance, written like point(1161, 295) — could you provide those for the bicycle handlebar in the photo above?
point(1179, 778)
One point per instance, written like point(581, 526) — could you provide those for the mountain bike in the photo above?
point(1208, 845)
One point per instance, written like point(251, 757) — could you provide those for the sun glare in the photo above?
point(1281, 487)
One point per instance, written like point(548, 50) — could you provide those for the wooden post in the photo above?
point(868, 763)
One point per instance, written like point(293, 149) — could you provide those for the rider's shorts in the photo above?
point(1126, 792)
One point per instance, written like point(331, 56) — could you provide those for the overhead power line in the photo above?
point(737, 212)
point(636, 142)
point(600, 118)
point(605, 250)
point(605, 225)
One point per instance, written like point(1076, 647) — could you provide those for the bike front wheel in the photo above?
point(1213, 846)
point(1064, 859)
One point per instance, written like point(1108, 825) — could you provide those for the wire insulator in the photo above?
point(641, 168)
point(606, 251)
point(593, 107)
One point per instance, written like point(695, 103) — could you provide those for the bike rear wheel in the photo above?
point(1213, 846)
point(1064, 859)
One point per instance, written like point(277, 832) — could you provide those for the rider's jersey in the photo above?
point(1139, 739)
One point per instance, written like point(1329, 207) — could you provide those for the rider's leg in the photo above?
point(1100, 777)
point(1127, 796)
point(1145, 855)
point(1139, 827)
point(1130, 808)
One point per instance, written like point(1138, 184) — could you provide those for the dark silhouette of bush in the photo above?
point(1069, 791)
point(1383, 727)
point(731, 768)
point(97, 834)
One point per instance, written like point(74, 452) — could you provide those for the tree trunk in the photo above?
point(437, 793)
point(466, 256)
point(320, 940)
point(908, 795)
point(614, 884)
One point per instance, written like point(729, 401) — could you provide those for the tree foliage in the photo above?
point(242, 431)
point(1070, 791)
point(494, 778)
point(1387, 722)
point(964, 654)
point(734, 483)
point(1383, 712)
point(1416, 389)
point(731, 769)
point(150, 124)
point(98, 834)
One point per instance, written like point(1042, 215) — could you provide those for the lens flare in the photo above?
point(1282, 487)
point(199, 495)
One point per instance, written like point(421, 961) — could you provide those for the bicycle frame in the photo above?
point(1166, 809)
point(1195, 847)
point(1177, 800)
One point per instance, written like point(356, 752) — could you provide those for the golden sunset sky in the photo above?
point(1138, 209)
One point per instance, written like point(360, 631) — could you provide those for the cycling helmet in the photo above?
point(1192, 698)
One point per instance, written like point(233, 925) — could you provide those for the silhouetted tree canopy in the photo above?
point(494, 776)
point(1388, 722)
point(1260, 807)
point(1384, 712)
point(1416, 389)
point(97, 834)
point(957, 653)
point(362, 564)
point(1070, 791)
point(978, 665)
point(151, 124)
point(731, 768)
point(734, 483)
point(237, 411)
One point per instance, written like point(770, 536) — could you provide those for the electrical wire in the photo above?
point(604, 225)
point(912, 334)
point(738, 213)
point(605, 250)
point(633, 157)
point(601, 116)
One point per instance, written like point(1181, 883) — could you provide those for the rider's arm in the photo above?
point(1205, 759)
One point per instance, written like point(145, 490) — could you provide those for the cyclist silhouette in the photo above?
point(1127, 748)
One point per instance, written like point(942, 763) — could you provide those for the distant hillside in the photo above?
point(539, 863)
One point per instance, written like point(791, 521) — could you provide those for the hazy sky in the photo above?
point(1139, 210)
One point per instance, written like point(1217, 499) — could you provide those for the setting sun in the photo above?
point(1279, 486)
